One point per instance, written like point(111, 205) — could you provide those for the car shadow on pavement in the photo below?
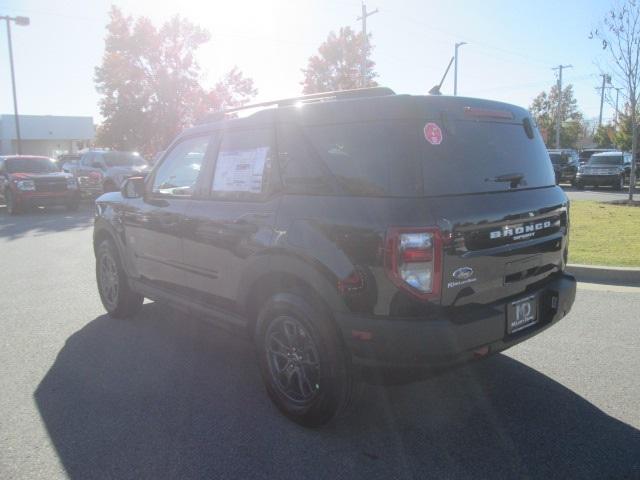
point(166, 395)
point(41, 221)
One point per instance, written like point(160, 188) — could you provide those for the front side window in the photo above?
point(178, 173)
point(243, 163)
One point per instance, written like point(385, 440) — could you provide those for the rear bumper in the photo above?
point(450, 338)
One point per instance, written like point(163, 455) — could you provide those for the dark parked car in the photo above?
point(347, 233)
point(28, 181)
point(100, 171)
point(586, 153)
point(610, 169)
point(565, 165)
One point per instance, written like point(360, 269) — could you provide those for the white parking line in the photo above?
point(607, 288)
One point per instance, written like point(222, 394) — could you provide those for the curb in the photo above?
point(610, 275)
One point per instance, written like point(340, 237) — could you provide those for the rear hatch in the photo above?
point(476, 169)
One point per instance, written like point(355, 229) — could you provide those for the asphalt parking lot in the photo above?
point(600, 194)
point(170, 396)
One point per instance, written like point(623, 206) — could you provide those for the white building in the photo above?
point(46, 134)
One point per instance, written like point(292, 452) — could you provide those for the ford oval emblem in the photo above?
point(463, 273)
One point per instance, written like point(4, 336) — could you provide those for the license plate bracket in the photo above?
point(522, 314)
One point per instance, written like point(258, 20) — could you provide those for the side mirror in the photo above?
point(133, 187)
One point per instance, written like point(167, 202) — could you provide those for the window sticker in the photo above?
point(240, 170)
point(433, 133)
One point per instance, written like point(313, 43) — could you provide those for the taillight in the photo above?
point(413, 260)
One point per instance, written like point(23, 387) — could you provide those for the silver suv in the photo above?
point(100, 171)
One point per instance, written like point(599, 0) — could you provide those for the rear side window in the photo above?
point(395, 158)
point(244, 163)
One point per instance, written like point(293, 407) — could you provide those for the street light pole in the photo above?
point(455, 68)
point(23, 21)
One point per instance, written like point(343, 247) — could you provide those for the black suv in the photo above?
point(348, 233)
point(565, 165)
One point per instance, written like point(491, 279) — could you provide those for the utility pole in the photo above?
point(23, 21)
point(559, 107)
point(617, 89)
point(365, 43)
point(605, 79)
point(455, 68)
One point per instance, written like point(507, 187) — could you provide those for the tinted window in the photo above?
point(606, 160)
point(178, 173)
point(243, 164)
point(300, 168)
point(30, 165)
point(555, 158)
point(394, 158)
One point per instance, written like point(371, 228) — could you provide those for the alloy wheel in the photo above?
point(109, 283)
point(292, 356)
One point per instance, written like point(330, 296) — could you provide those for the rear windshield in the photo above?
point(394, 158)
point(30, 165)
point(123, 159)
point(606, 160)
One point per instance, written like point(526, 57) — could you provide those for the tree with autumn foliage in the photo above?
point(337, 65)
point(544, 109)
point(150, 82)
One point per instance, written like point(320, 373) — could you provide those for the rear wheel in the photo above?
point(12, 208)
point(302, 360)
point(117, 296)
point(619, 185)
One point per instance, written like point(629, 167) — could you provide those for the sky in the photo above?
point(512, 46)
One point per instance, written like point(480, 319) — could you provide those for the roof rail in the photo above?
point(314, 97)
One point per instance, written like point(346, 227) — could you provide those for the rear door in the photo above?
point(225, 231)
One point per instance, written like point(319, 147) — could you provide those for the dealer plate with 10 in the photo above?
point(522, 313)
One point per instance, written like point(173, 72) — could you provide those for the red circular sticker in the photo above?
point(433, 133)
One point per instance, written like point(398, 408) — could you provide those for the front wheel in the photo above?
point(117, 296)
point(619, 185)
point(12, 207)
point(302, 360)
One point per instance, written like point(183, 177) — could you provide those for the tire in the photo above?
point(302, 360)
point(113, 286)
point(580, 185)
point(12, 208)
point(73, 206)
point(619, 184)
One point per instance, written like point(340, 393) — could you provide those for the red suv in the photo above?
point(27, 181)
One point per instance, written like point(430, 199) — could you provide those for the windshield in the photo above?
point(555, 158)
point(606, 160)
point(123, 159)
point(386, 158)
point(30, 165)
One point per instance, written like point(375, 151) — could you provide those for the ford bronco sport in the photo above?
point(348, 232)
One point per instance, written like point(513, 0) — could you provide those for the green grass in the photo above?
point(603, 234)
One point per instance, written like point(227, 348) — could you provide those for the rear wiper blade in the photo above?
point(515, 179)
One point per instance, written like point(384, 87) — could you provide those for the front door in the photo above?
point(154, 223)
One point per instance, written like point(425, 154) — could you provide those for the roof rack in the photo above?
point(314, 97)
